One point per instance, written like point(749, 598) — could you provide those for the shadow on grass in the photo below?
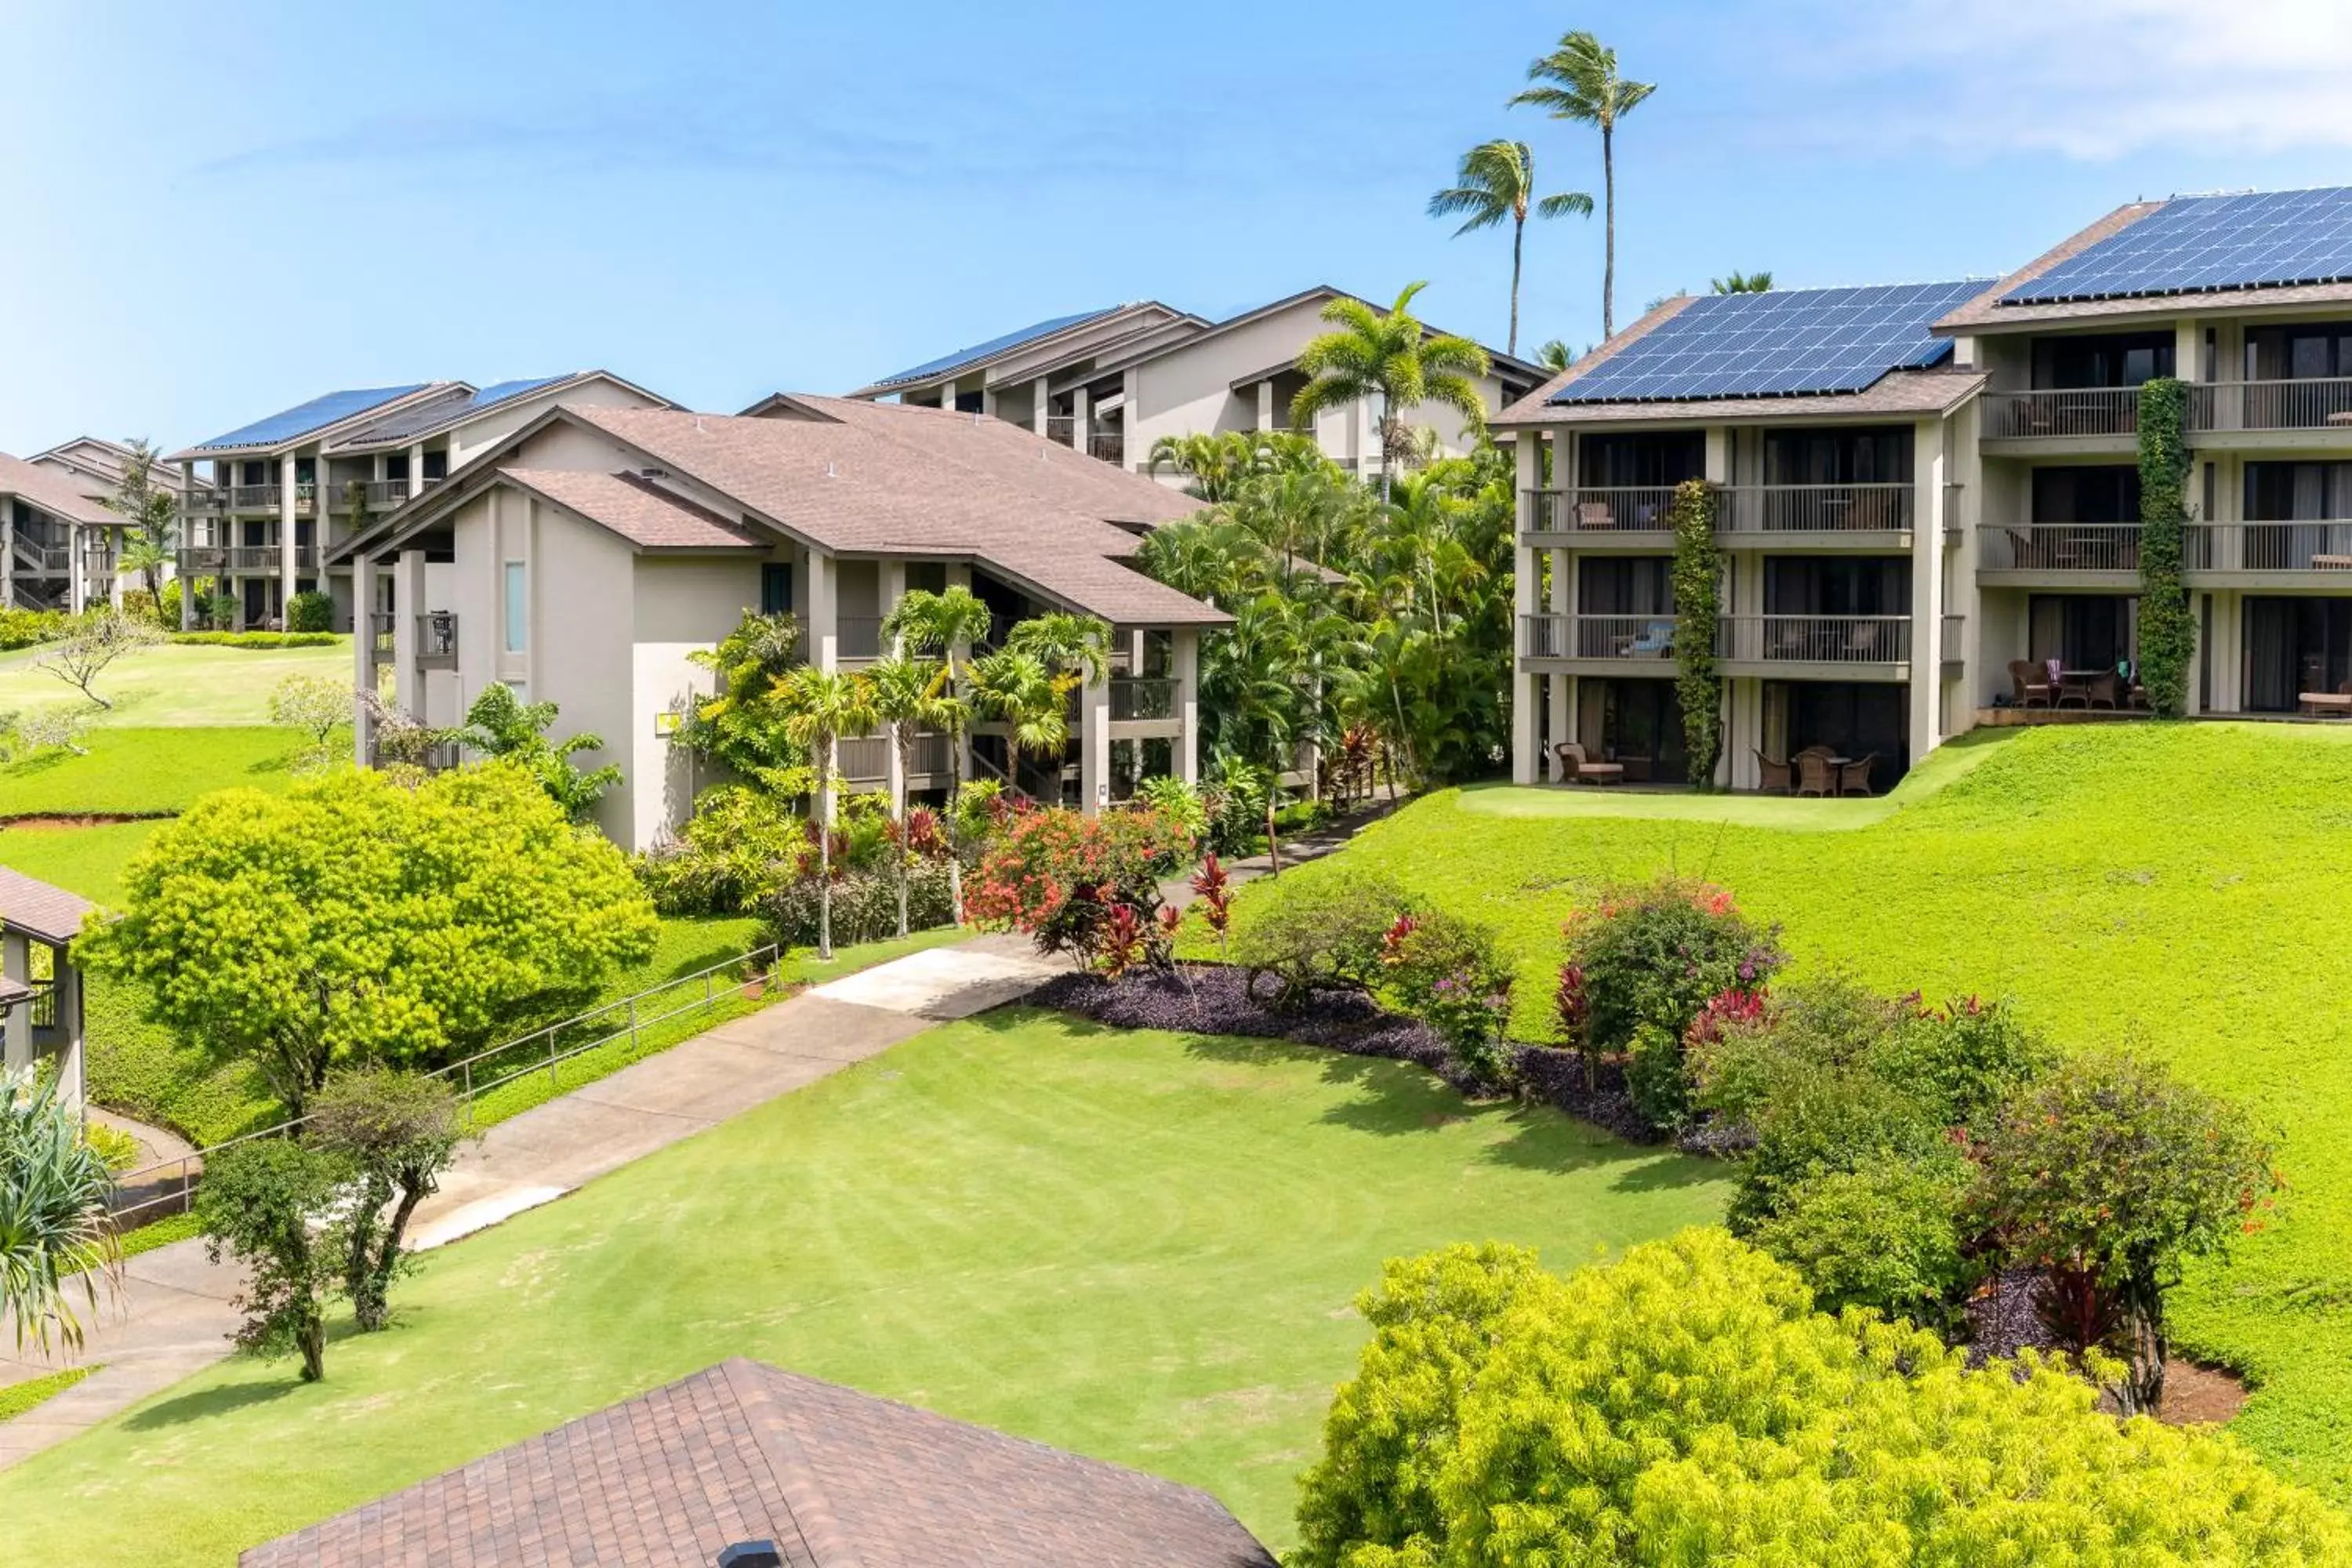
point(182, 1408)
point(33, 767)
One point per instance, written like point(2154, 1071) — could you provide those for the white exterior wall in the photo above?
point(682, 604)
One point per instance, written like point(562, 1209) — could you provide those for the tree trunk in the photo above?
point(1609, 257)
point(824, 863)
point(1519, 240)
point(414, 1190)
point(906, 838)
point(955, 844)
point(310, 1337)
point(1273, 847)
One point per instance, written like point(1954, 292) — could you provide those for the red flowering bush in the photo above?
point(1450, 974)
point(1064, 878)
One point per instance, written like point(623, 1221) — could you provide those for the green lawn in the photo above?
point(175, 684)
point(2184, 887)
point(145, 771)
point(1135, 1246)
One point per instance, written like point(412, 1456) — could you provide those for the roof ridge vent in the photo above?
point(698, 426)
point(829, 472)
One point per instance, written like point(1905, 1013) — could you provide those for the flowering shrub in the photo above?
point(1318, 930)
point(1656, 954)
point(1450, 974)
point(1214, 889)
point(1064, 878)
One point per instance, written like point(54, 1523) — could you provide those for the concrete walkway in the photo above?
point(173, 1315)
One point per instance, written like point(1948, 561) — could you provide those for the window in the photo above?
point(1643, 460)
point(437, 465)
point(397, 466)
point(518, 629)
point(2121, 359)
point(776, 588)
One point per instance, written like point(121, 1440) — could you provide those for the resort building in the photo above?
point(1111, 383)
point(278, 494)
point(585, 558)
point(58, 543)
point(1928, 499)
point(98, 465)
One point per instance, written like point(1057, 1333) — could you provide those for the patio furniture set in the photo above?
point(1816, 770)
point(2049, 685)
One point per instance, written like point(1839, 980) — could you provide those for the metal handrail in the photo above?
point(1814, 509)
point(2063, 411)
point(2058, 547)
point(2300, 545)
point(2312, 403)
point(1640, 636)
point(1600, 509)
point(472, 1087)
point(1816, 639)
point(1142, 697)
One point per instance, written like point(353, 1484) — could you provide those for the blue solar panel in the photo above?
point(315, 414)
point(962, 357)
point(2196, 244)
point(1778, 344)
point(501, 391)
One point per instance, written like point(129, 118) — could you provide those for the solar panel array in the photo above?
point(993, 346)
point(315, 414)
point(1779, 345)
point(2191, 245)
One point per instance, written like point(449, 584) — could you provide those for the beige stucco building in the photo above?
point(59, 546)
point(585, 559)
point(1112, 383)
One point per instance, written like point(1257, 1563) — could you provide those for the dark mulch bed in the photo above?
point(2001, 1320)
point(1213, 999)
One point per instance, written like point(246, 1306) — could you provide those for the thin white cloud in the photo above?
point(2093, 80)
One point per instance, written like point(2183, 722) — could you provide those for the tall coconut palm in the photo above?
point(819, 707)
point(1392, 357)
point(55, 1238)
point(1555, 356)
point(1579, 82)
point(905, 694)
point(1498, 181)
point(1018, 688)
point(948, 627)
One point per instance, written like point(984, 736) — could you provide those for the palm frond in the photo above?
point(1565, 203)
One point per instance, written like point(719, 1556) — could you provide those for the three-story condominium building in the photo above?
point(279, 493)
point(59, 546)
point(586, 558)
point(1929, 496)
point(1111, 383)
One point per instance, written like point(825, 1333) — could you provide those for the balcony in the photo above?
point(201, 502)
point(1642, 516)
point(1639, 638)
point(380, 633)
point(2305, 549)
point(1108, 445)
point(42, 560)
point(2070, 412)
point(2320, 403)
point(864, 760)
point(1883, 507)
point(437, 640)
point(383, 495)
point(251, 559)
point(1602, 514)
point(2060, 547)
point(857, 637)
point(1856, 640)
point(1141, 697)
point(271, 498)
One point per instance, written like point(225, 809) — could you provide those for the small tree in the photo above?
point(397, 1132)
point(55, 1237)
point(93, 640)
point(152, 512)
point(503, 726)
point(1088, 886)
point(268, 1205)
point(1699, 604)
point(314, 705)
point(1032, 701)
point(738, 727)
point(817, 708)
point(904, 693)
point(2168, 632)
point(2107, 1176)
point(946, 627)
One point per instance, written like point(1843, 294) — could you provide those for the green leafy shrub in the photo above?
point(1176, 798)
point(1450, 972)
point(1654, 1075)
point(309, 612)
point(1890, 1236)
point(865, 906)
point(24, 628)
point(740, 845)
point(1964, 1059)
point(118, 1149)
point(1688, 1405)
point(1321, 930)
point(1656, 953)
point(1088, 886)
point(252, 640)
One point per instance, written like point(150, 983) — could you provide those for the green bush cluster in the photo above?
point(1450, 972)
point(1320, 932)
point(864, 905)
point(738, 846)
point(309, 612)
point(26, 628)
point(1688, 1404)
point(252, 640)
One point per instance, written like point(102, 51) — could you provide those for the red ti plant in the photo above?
point(1121, 944)
point(1575, 1007)
point(1214, 889)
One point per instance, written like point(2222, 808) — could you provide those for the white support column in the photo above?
point(1038, 404)
point(1526, 688)
point(822, 621)
point(1266, 405)
point(988, 400)
point(1094, 746)
point(416, 470)
point(74, 546)
point(407, 604)
point(287, 491)
point(1927, 461)
point(1188, 702)
point(1563, 687)
point(362, 653)
point(9, 554)
point(1719, 455)
point(71, 1073)
point(16, 962)
point(187, 537)
point(2200, 612)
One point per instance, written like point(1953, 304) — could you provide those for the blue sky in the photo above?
point(219, 211)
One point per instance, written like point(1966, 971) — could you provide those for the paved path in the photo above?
point(174, 1317)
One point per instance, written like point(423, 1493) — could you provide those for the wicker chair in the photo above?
point(1814, 775)
point(2104, 691)
point(2033, 686)
point(1777, 777)
point(1854, 777)
point(1574, 768)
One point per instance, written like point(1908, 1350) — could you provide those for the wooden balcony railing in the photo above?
point(2059, 547)
point(2318, 403)
point(2074, 411)
point(1814, 509)
point(1142, 697)
point(1816, 639)
point(270, 498)
point(865, 759)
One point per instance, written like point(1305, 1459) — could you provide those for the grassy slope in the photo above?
point(1133, 1246)
point(144, 770)
point(2180, 888)
point(176, 685)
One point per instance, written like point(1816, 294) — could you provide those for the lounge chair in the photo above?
point(2336, 704)
point(1776, 777)
point(2032, 687)
point(1656, 641)
point(2104, 691)
point(1862, 642)
point(1574, 768)
point(1854, 777)
point(1594, 514)
point(1814, 775)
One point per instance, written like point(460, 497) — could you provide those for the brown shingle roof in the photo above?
point(29, 905)
point(744, 1452)
point(637, 510)
point(887, 478)
point(61, 495)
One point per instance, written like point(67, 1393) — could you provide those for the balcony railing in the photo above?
point(381, 625)
point(1954, 626)
point(930, 755)
point(1110, 445)
point(43, 559)
point(1600, 510)
point(2059, 547)
point(2269, 547)
point(252, 558)
point(857, 637)
point(2314, 404)
point(383, 495)
point(2074, 410)
point(437, 640)
point(865, 759)
point(1816, 639)
point(1814, 509)
point(201, 502)
point(1640, 637)
point(270, 497)
point(1142, 697)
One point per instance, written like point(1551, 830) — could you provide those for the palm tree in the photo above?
point(1017, 688)
point(1392, 357)
point(819, 707)
point(1556, 355)
point(1498, 181)
point(54, 1232)
point(1065, 644)
point(153, 516)
point(946, 625)
point(904, 693)
point(1743, 283)
point(1581, 83)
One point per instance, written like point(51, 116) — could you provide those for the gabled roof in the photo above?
point(104, 461)
point(462, 402)
point(636, 509)
point(59, 494)
point(39, 910)
point(307, 419)
point(966, 358)
point(1513, 368)
point(744, 1452)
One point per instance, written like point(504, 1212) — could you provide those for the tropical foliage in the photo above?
point(1579, 81)
point(54, 1239)
point(1086, 885)
point(503, 727)
point(2168, 630)
point(1393, 362)
point(153, 513)
point(1698, 602)
point(1497, 181)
